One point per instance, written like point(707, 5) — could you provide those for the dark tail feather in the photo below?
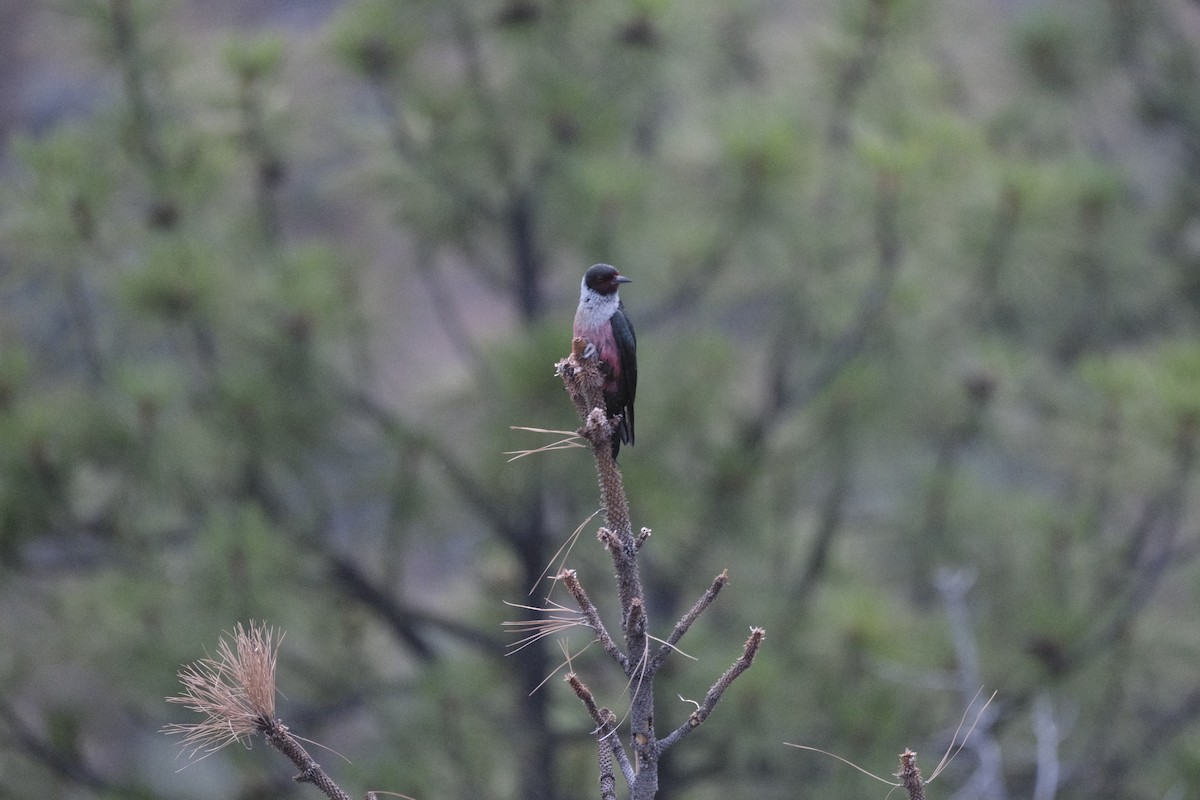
point(621, 433)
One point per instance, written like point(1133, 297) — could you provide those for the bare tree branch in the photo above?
point(681, 627)
point(584, 382)
point(571, 580)
point(608, 744)
point(698, 716)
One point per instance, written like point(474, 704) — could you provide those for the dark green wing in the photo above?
point(627, 351)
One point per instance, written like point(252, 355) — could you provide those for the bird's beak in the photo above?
point(623, 279)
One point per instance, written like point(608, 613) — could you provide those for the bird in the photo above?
point(601, 320)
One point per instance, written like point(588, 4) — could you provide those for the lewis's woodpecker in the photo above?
point(601, 320)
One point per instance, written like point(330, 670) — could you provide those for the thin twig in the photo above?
point(698, 716)
point(691, 616)
point(592, 617)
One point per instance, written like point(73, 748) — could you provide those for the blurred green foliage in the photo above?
point(917, 304)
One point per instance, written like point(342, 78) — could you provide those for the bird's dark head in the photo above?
point(603, 279)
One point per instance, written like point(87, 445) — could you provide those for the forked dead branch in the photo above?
point(638, 660)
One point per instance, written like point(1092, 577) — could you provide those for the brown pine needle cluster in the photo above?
point(235, 691)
